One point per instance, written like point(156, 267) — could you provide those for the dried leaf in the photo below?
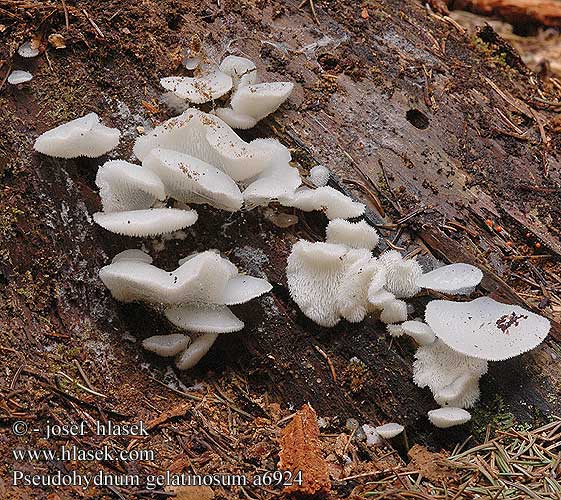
point(364, 13)
point(301, 451)
point(57, 41)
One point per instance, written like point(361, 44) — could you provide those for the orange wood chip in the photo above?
point(301, 451)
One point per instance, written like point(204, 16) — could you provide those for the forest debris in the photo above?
point(177, 411)
point(193, 493)
point(433, 466)
point(57, 41)
point(301, 451)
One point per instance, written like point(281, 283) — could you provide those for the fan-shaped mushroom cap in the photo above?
point(208, 138)
point(166, 345)
point(85, 136)
point(278, 181)
point(319, 175)
point(395, 330)
point(448, 417)
point(380, 298)
point(199, 89)
point(125, 186)
point(261, 99)
point(191, 180)
point(144, 223)
point(201, 279)
point(235, 119)
point(485, 328)
point(195, 352)
point(353, 234)
point(372, 437)
point(420, 331)
point(314, 272)
point(388, 431)
point(243, 71)
point(462, 393)
point(438, 367)
point(401, 274)
point(394, 311)
point(457, 279)
point(240, 289)
point(27, 50)
point(18, 76)
point(352, 294)
point(134, 255)
point(332, 202)
point(205, 318)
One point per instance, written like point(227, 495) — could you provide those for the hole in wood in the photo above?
point(417, 119)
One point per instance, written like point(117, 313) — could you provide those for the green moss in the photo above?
point(496, 415)
point(489, 51)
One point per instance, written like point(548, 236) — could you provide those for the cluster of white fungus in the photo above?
point(196, 158)
point(249, 101)
point(342, 279)
point(195, 298)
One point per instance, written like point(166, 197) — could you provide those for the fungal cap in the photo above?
point(241, 69)
point(462, 392)
point(261, 99)
point(394, 311)
point(200, 279)
point(191, 180)
point(18, 76)
point(241, 289)
point(27, 50)
point(146, 223)
point(457, 279)
point(380, 298)
point(395, 330)
point(420, 331)
point(166, 345)
point(125, 186)
point(388, 431)
point(195, 352)
point(204, 318)
point(352, 234)
point(84, 136)
point(235, 119)
point(208, 138)
point(442, 370)
point(278, 181)
point(313, 273)
point(334, 203)
point(486, 329)
point(133, 255)
point(401, 274)
point(199, 89)
point(319, 175)
point(448, 417)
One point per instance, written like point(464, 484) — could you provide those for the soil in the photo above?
point(443, 129)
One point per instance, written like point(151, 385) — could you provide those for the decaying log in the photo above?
point(400, 104)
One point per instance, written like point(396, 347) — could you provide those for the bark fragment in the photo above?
point(301, 451)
